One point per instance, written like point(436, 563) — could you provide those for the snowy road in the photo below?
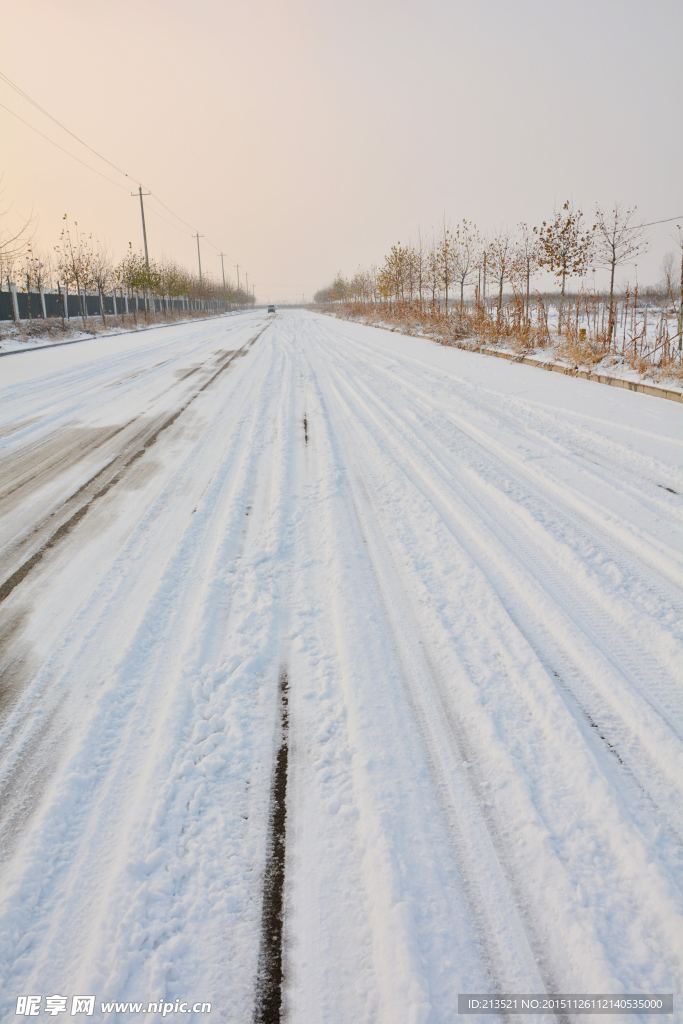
point(463, 577)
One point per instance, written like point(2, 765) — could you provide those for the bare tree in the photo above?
point(465, 258)
point(420, 264)
point(668, 268)
point(372, 282)
point(102, 276)
point(619, 238)
point(500, 253)
point(32, 275)
point(565, 248)
point(412, 273)
point(482, 264)
point(525, 260)
point(76, 263)
point(433, 270)
point(13, 243)
point(445, 257)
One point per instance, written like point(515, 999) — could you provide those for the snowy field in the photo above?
point(447, 587)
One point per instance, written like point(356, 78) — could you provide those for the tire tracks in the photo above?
point(369, 430)
point(119, 466)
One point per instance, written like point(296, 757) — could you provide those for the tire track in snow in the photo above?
point(541, 588)
point(33, 734)
point(351, 415)
point(421, 928)
point(142, 871)
point(119, 466)
point(611, 526)
point(133, 724)
point(512, 950)
point(329, 923)
point(458, 483)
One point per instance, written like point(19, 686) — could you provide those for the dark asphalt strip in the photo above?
point(270, 974)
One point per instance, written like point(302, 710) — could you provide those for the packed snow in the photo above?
point(470, 572)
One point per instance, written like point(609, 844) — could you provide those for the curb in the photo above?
point(599, 378)
point(117, 334)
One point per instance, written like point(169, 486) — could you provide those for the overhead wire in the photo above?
point(73, 155)
point(37, 105)
point(667, 220)
point(170, 224)
point(119, 170)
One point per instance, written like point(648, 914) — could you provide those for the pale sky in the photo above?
point(307, 137)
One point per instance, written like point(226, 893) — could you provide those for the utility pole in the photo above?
point(247, 277)
point(140, 193)
point(199, 257)
point(238, 276)
point(223, 270)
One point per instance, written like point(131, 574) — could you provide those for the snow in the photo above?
point(27, 336)
point(471, 572)
point(557, 353)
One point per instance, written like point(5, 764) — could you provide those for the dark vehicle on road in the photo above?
point(271, 309)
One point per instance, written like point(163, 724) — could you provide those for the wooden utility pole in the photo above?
point(199, 257)
point(140, 193)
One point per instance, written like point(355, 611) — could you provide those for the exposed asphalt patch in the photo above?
point(269, 979)
point(65, 529)
point(669, 489)
point(305, 429)
point(40, 461)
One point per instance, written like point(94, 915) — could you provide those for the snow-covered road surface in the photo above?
point(469, 575)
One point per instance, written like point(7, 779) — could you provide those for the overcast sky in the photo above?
point(308, 136)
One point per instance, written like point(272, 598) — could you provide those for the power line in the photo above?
point(666, 220)
point(170, 224)
point(119, 170)
point(47, 137)
point(63, 126)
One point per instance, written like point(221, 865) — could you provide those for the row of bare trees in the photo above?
point(566, 246)
point(83, 265)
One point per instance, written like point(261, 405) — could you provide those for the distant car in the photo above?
point(271, 309)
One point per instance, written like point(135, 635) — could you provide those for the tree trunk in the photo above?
point(80, 303)
point(561, 310)
point(610, 323)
